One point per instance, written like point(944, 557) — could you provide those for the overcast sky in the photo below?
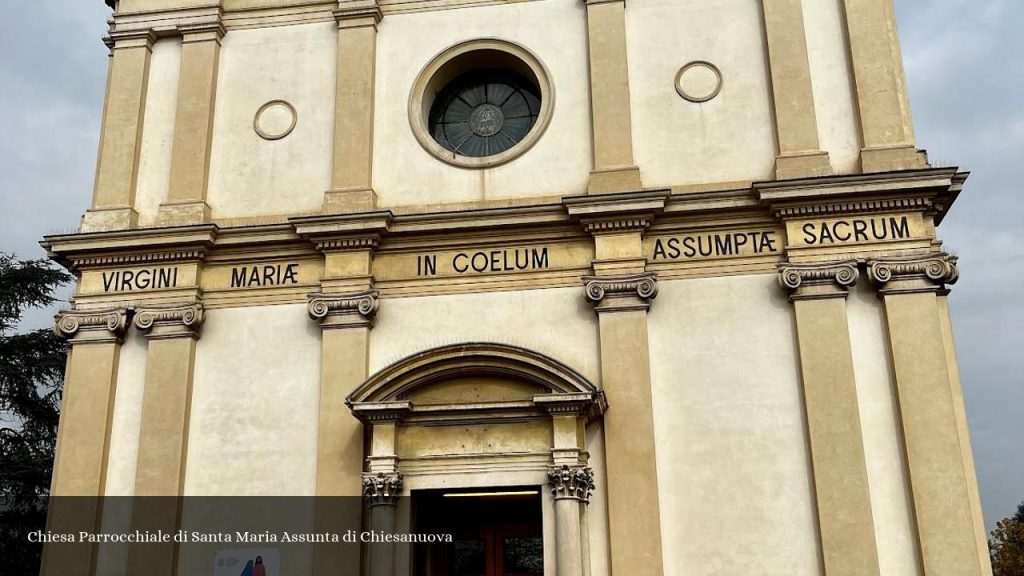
point(965, 68)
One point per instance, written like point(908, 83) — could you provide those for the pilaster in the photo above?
point(352, 176)
point(796, 124)
point(818, 293)
point(939, 485)
point(171, 332)
point(193, 124)
point(881, 93)
point(83, 442)
point(614, 167)
point(117, 163)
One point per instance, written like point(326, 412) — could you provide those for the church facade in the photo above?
point(654, 287)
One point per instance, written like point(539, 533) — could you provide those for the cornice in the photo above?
point(130, 246)
point(588, 405)
point(914, 274)
point(91, 326)
point(609, 213)
point(170, 321)
point(621, 293)
point(819, 280)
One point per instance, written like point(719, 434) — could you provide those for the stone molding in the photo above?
point(619, 293)
point(344, 310)
point(91, 327)
point(908, 275)
point(819, 280)
point(355, 13)
point(571, 482)
point(382, 488)
point(170, 321)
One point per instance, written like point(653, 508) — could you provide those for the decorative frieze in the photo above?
point(382, 488)
point(574, 482)
point(91, 326)
point(930, 273)
point(630, 292)
point(170, 322)
point(819, 280)
point(344, 310)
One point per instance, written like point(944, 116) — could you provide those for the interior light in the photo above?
point(471, 494)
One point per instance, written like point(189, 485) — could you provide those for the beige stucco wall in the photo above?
point(251, 176)
point(255, 403)
point(559, 163)
point(679, 142)
point(832, 82)
point(883, 444)
point(555, 321)
point(733, 467)
point(158, 129)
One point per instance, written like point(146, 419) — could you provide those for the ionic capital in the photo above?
point(930, 273)
point(170, 321)
point(572, 482)
point(619, 293)
point(819, 280)
point(91, 326)
point(344, 310)
point(382, 488)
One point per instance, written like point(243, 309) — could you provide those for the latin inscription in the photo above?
point(487, 261)
point(715, 245)
point(856, 230)
point(145, 279)
point(257, 276)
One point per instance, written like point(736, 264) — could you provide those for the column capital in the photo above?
point(211, 30)
point(357, 13)
point(621, 293)
point(139, 38)
point(818, 280)
point(91, 326)
point(382, 488)
point(571, 482)
point(164, 322)
point(908, 275)
point(344, 310)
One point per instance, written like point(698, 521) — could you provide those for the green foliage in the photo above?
point(1006, 545)
point(31, 378)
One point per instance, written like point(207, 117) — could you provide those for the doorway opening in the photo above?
point(495, 532)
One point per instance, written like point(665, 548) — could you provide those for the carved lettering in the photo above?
point(264, 276)
point(145, 279)
point(488, 261)
point(856, 230)
point(715, 245)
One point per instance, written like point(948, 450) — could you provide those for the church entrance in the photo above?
point(496, 532)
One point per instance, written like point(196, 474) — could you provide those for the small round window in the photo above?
point(481, 103)
point(484, 113)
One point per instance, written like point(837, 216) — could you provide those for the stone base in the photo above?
point(804, 165)
point(890, 159)
point(349, 201)
point(183, 213)
point(614, 180)
point(104, 219)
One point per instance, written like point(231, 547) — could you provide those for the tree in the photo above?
point(1006, 547)
point(31, 380)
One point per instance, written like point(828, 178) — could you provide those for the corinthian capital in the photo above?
point(929, 273)
point(344, 310)
point(632, 292)
point(170, 321)
point(382, 488)
point(818, 280)
point(91, 326)
point(576, 482)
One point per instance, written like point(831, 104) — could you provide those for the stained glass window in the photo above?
point(484, 113)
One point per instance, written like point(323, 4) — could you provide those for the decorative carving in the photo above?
point(382, 488)
point(819, 280)
point(633, 292)
point(930, 273)
point(353, 243)
point(358, 308)
point(171, 321)
point(856, 207)
point(576, 482)
point(100, 325)
point(623, 224)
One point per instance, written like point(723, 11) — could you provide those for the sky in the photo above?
point(965, 71)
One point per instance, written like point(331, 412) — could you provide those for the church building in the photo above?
point(595, 287)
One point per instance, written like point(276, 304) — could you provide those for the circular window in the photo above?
point(481, 103)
